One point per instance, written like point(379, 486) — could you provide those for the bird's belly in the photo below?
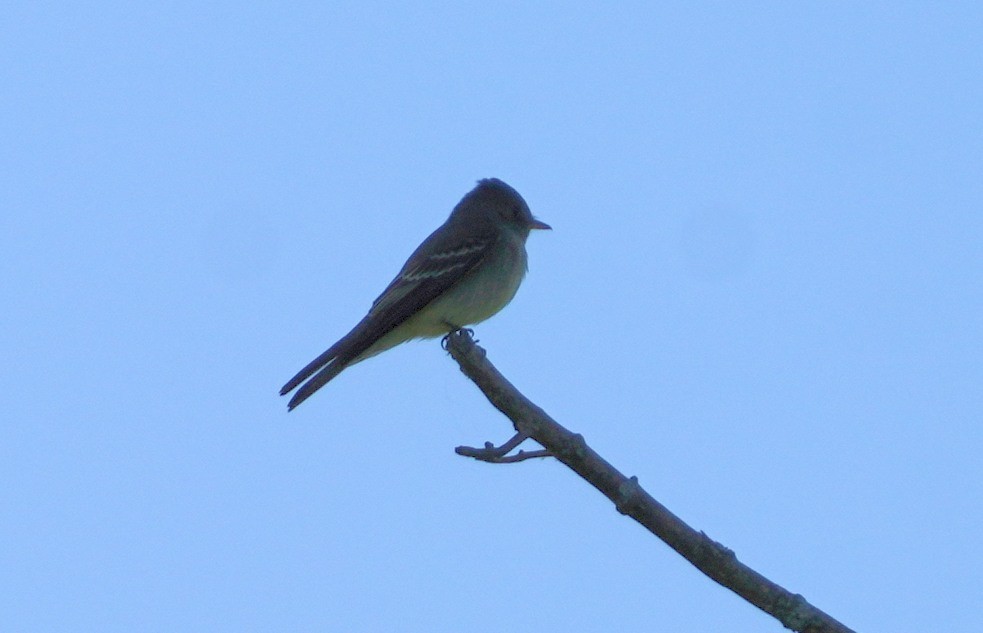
point(474, 299)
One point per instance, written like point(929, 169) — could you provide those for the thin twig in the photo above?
point(492, 457)
point(710, 557)
point(500, 454)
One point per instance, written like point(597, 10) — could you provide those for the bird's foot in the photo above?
point(500, 454)
point(455, 330)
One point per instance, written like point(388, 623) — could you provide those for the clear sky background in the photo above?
point(763, 296)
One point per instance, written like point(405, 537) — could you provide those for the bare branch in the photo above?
point(500, 454)
point(709, 556)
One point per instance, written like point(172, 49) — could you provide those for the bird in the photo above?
point(466, 271)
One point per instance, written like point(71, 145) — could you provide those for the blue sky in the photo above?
point(763, 296)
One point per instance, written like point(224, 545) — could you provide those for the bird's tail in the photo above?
point(328, 365)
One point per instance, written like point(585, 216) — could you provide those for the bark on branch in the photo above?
point(709, 556)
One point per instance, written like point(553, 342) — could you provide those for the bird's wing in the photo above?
point(426, 276)
point(428, 273)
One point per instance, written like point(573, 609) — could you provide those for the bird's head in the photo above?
point(492, 200)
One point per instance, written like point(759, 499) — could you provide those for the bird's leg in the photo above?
point(500, 454)
point(452, 328)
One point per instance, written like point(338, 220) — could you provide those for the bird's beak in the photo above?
point(542, 226)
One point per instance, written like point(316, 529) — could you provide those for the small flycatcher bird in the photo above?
point(465, 272)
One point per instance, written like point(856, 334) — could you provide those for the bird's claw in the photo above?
point(454, 329)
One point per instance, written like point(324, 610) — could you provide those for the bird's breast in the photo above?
point(481, 294)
